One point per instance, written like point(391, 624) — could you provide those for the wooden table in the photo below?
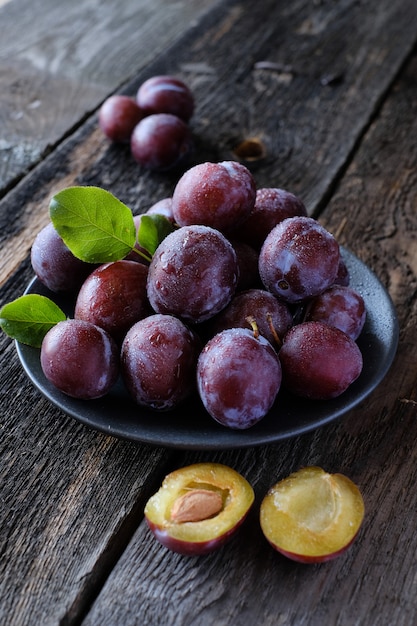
point(331, 90)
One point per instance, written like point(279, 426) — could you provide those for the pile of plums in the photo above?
point(155, 122)
point(245, 296)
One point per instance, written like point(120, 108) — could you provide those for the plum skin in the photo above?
point(220, 195)
point(161, 141)
point(319, 361)
point(166, 94)
point(80, 359)
point(193, 273)
point(118, 116)
point(238, 377)
point(55, 265)
point(114, 297)
point(299, 259)
point(195, 548)
point(158, 360)
point(205, 536)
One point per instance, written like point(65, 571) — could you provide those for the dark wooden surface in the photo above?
point(331, 89)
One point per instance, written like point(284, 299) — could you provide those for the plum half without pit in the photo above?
point(312, 516)
point(199, 508)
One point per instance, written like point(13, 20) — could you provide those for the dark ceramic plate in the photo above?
point(190, 427)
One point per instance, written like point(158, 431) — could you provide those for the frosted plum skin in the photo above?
point(272, 206)
point(193, 274)
point(299, 259)
point(80, 359)
point(339, 306)
point(319, 361)
point(238, 377)
point(220, 195)
point(158, 361)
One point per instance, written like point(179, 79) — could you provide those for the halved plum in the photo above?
point(312, 516)
point(199, 508)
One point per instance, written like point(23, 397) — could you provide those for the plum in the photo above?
point(199, 508)
point(161, 141)
point(299, 259)
point(55, 265)
point(319, 361)
point(312, 516)
point(271, 207)
point(339, 306)
point(114, 297)
point(220, 195)
point(158, 361)
point(166, 94)
point(273, 318)
point(238, 377)
point(193, 273)
point(118, 116)
point(80, 359)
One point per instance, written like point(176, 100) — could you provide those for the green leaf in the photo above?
point(152, 230)
point(29, 318)
point(93, 223)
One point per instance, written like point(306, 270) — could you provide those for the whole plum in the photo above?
point(80, 359)
point(118, 116)
point(272, 206)
point(158, 361)
point(193, 273)
point(220, 195)
point(339, 306)
point(166, 94)
point(273, 318)
point(114, 297)
point(54, 263)
point(319, 361)
point(238, 377)
point(161, 142)
point(299, 259)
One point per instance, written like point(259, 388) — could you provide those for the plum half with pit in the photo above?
point(199, 508)
point(312, 516)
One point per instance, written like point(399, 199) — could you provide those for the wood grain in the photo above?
point(331, 90)
point(57, 66)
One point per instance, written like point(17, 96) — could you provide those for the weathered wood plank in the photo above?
point(374, 583)
point(309, 129)
point(58, 540)
point(57, 65)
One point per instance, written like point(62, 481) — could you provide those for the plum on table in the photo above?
point(199, 508)
point(312, 516)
